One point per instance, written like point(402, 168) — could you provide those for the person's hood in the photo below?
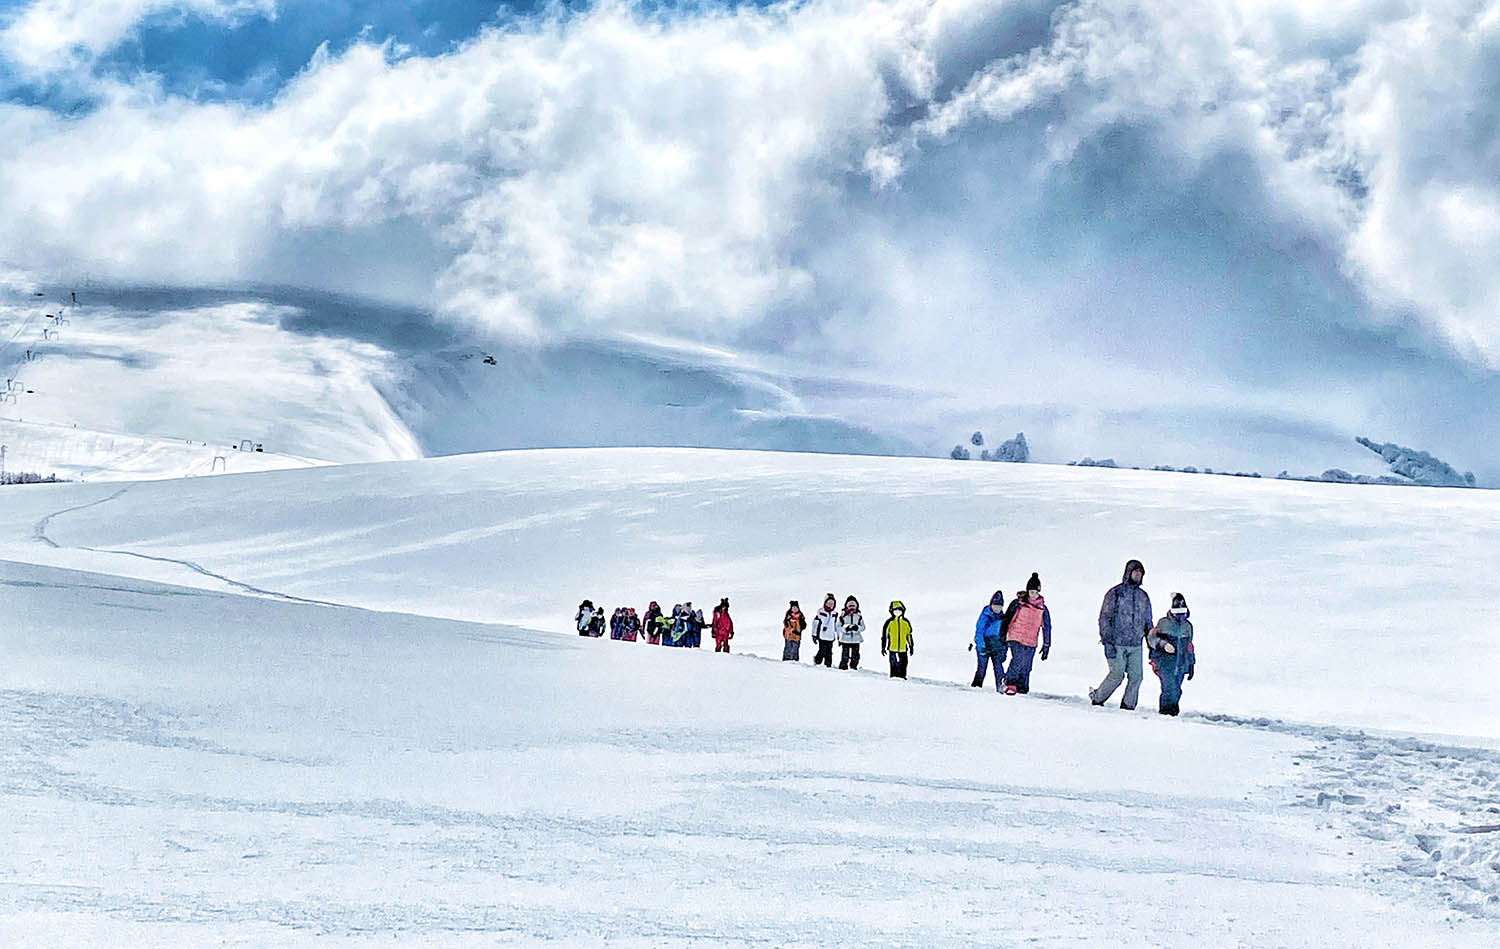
point(1133, 565)
point(897, 605)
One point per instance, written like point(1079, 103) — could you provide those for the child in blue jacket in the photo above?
point(989, 641)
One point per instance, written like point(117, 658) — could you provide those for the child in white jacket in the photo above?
point(851, 634)
point(825, 629)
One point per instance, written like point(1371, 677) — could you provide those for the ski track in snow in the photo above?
point(39, 532)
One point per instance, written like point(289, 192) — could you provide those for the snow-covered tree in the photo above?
point(959, 453)
point(977, 440)
point(1015, 450)
point(1419, 466)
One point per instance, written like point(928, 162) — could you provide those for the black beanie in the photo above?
point(1035, 583)
point(998, 599)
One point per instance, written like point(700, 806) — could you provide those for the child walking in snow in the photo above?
point(989, 641)
point(897, 641)
point(825, 631)
point(584, 620)
point(1172, 657)
point(792, 626)
point(630, 625)
point(1024, 620)
point(851, 634)
point(651, 625)
point(723, 626)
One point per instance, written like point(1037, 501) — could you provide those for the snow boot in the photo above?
point(1094, 699)
point(1010, 688)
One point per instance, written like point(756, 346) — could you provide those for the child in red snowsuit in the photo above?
point(723, 626)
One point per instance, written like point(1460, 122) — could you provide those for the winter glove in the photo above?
point(971, 647)
point(1043, 656)
point(882, 650)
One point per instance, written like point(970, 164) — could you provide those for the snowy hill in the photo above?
point(76, 454)
point(316, 377)
point(187, 763)
point(1327, 571)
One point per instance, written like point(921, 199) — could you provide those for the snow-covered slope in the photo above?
point(188, 764)
point(1350, 605)
point(183, 767)
point(313, 376)
point(217, 371)
point(78, 454)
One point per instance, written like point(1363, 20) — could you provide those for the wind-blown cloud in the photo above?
point(46, 37)
point(1294, 195)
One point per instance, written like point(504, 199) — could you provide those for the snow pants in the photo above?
point(791, 651)
point(1019, 672)
point(1124, 666)
point(898, 664)
point(721, 644)
point(993, 651)
point(849, 659)
point(1171, 672)
point(824, 656)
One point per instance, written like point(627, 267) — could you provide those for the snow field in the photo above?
point(1352, 605)
point(184, 764)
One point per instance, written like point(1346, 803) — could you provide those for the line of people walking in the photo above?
point(1009, 637)
point(683, 627)
point(846, 629)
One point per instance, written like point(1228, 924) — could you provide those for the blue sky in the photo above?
point(254, 58)
point(1141, 228)
point(251, 56)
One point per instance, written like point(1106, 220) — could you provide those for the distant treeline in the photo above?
point(28, 477)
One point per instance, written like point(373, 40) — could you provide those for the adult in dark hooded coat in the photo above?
point(1124, 620)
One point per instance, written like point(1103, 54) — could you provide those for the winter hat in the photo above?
point(998, 599)
point(1179, 605)
point(897, 605)
point(1035, 583)
point(794, 603)
point(833, 598)
point(724, 603)
point(851, 601)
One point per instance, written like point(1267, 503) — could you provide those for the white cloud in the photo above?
point(47, 37)
point(701, 175)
